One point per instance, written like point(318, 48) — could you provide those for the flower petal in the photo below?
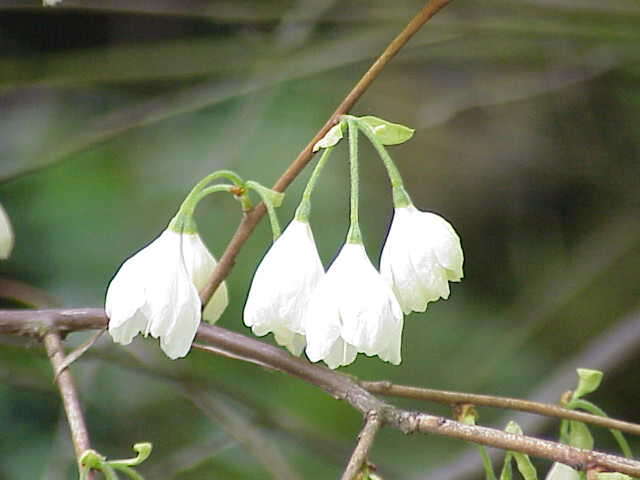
point(421, 255)
point(200, 265)
point(353, 310)
point(153, 292)
point(282, 285)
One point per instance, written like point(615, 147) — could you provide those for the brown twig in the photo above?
point(452, 398)
point(574, 457)
point(251, 219)
point(68, 393)
point(365, 442)
point(336, 384)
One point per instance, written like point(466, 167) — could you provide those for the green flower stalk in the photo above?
point(354, 235)
point(422, 253)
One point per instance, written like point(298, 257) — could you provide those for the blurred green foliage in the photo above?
point(526, 140)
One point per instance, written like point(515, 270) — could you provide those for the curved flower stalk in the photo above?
point(156, 292)
point(353, 310)
point(421, 255)
point(6, 235)
point(282, 285)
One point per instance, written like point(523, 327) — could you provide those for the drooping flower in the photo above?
point(282, 286)
point(353, 310)
point(421, 255)
point(6, 235)
point(156, 292)
point(560, 471)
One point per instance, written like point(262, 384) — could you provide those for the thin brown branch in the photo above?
point(223, 353)
point(452, 398)
point(36, 323)
point(340, 386)
point(574, 457)
point(68, 393)
point(251, 219)
point(365, 442)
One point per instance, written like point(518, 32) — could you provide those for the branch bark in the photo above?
point(452, 398)
point(365, 442)
point(69, 394)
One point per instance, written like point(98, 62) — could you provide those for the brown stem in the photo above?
point(574, 457)
point(453, 398)
point(251, 219)
point(365, 442)
point(68, 392)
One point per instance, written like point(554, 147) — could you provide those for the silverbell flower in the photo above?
point(282, 286)
point(421, 255)
point(156, 292)
point(353, 310)
point(6, 235)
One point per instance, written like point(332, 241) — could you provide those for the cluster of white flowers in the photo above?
point(6, 235)
point(352, 308)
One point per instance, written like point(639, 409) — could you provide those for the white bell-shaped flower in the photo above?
point(560, 471)
point(282, 286)
point(421, 255)
point(6, 235)
point(156, 292)
point(353, 310)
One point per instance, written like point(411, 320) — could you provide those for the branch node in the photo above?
point(409, 422)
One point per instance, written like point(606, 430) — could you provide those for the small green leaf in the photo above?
point(579, 435)
point(332, 137)
point(589, 381)
point(388, 133)
point(143, 450)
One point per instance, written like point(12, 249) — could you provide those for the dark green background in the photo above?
point(526, 117)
